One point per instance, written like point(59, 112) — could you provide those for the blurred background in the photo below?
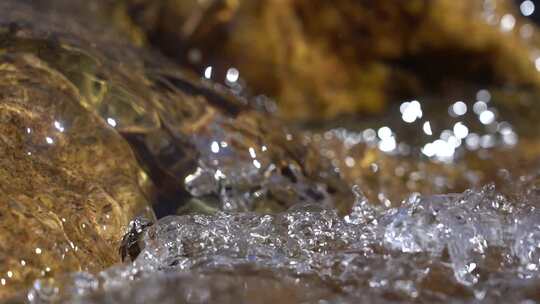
point(182, 107)
point(321, 60)
point(455, 83)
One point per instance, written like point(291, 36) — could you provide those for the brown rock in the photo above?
point(74, 92)
point(69, 183)
point(322, 59)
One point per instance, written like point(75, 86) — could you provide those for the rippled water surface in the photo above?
point(434, 200)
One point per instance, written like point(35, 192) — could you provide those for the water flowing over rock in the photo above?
point(79, 103)
point(476, 246)
point(69, 183)
point(125, 178)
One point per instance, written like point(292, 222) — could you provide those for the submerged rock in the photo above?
point(69, 183)
point(79, 102)
point(95, 129)
point(179, 125)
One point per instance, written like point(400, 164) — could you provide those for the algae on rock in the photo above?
point(69, 183)
point(81, 104)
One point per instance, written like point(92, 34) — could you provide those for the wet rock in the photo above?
point(80, 102)
point(171, 118)
point(69, 183)
point(240, 192)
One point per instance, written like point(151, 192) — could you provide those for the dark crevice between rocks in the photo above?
point(169, 191)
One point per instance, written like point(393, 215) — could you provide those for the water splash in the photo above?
point(482, 244)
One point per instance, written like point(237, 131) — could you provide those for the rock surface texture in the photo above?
point(80, 102)
point(126, 177)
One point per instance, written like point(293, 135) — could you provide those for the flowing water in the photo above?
point(436, 200)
